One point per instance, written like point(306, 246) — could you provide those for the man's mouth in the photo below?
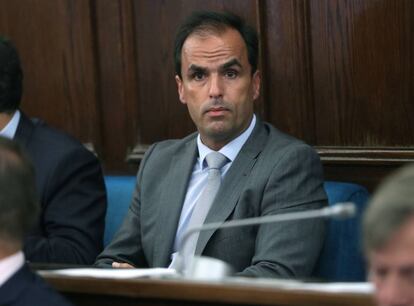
point(216, 111)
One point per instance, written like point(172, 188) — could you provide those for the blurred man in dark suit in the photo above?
point(69, 179)
point(18, 212)
point(389, 239)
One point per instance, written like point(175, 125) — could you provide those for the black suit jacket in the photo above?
point(72, 194)
point(25, 288)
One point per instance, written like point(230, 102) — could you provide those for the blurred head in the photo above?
point(216, 74)
point(11, 77)
point(389, 239)
point(18, 205)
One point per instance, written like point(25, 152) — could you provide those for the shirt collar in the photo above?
point(230, 150)
point(10, 129)
point(10, 265)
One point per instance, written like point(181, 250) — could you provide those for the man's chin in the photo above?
point(217, 130)
point(222, 134)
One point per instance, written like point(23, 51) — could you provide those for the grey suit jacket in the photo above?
point(273, 173)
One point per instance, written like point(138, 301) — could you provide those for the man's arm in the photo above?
point(290, 249)
point(73, 212)
point(126, 246)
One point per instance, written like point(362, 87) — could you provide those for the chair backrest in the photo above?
point(341, 259)
point(119, 192)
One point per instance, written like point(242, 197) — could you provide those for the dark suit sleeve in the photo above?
point(290, 249)
point(73, 211)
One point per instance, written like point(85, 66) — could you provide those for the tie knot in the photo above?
point(216, 160)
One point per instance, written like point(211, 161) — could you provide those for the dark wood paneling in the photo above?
point(363, 72)
point(117, 54)
point(335, 74)
point(56, 49)
point(287, 64)
point(366, 166)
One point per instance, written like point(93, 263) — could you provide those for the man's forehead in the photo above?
point(399, 249)
point(214, 52)
point(229, 41)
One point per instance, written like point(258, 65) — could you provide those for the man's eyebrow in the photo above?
point(230, 63)
point(196, 68)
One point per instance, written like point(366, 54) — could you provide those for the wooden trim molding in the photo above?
point(365, 156)
point(329, 155)
point(362, 165)
point(137, 153)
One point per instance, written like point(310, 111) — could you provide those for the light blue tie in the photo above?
point(215, 162)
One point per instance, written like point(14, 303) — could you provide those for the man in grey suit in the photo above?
point(266, 172)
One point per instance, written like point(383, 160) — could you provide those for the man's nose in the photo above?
point(216, 87)
point(393, 293)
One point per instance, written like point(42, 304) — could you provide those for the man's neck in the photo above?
point(5, 119)
point(9, 248)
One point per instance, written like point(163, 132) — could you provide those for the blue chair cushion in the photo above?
point(341, 258)
point(119, 192)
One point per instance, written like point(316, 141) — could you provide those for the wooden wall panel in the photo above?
point(57, 53)
point(363, 72)
point(337, 74)
point(118, 85)
point(287, 68)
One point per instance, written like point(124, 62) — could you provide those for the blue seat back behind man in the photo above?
point(342, 258)
point(119, 192)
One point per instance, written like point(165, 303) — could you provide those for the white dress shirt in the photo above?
point(10, 265)
point(199, 176)
point(10, 129)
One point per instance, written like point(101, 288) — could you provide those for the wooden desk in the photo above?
point(102, 292)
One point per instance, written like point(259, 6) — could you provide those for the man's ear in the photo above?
point(256, 81)
point(180, 88)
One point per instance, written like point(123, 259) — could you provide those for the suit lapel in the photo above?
point(234, 181)
point(172, 200)
point(24, 130)
point(15, 286)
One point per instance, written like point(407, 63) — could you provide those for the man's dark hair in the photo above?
point(18, 204)
point(11, 77)
point(207, 21)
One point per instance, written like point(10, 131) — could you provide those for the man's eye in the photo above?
point(198, 76)
point(408, 274)
point(231, 74)
point(379, 273)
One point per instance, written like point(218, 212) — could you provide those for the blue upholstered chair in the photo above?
point(119, 192)
point(341, 258)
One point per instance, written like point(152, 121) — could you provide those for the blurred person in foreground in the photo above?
point(389, 239)
point(18, 212)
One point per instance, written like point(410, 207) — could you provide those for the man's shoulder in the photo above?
point(281, 141)
point(277, 147)
point(27, 288)
point(47, 135)
point(170, 146)
point(39, 138)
